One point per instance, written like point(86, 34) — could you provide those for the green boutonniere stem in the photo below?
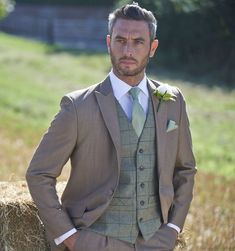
point(160, 101)
point(161, 97)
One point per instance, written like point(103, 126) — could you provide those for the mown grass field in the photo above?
point(33, 78)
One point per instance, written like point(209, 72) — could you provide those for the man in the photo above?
point(132, 166)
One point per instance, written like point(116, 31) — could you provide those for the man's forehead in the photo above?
point(134, 27)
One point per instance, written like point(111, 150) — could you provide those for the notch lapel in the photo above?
point(107, 105)
point(160, 125)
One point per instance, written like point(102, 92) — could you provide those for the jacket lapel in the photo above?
point(160, 124)
point(106, 102)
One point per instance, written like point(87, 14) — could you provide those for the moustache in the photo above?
point(128, 58)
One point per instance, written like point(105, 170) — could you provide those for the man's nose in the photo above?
point(128, 50)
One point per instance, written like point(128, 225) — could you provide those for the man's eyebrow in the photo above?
point(119, 37)
point(137, 38)
point(140, 39)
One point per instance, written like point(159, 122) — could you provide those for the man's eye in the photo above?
point(139, 41)
point(120, 41)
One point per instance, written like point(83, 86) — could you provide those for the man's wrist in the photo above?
point(71, 241)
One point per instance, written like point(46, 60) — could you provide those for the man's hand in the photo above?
point(70, 242)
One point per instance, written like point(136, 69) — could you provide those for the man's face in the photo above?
point(130, 48)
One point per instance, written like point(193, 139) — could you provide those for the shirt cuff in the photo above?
point(174, 226)
point(63, 237)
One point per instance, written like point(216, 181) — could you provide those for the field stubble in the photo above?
point(210, 224)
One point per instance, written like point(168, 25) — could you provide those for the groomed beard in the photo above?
point(125, 71)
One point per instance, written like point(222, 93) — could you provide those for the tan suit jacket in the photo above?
point(86, 130)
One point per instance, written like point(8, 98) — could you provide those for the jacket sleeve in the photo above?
point(46, 165)
point(185, 169)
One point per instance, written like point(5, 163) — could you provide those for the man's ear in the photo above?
point(153, 48)
point(108, 41)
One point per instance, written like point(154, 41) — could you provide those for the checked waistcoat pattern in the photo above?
point(135, 206)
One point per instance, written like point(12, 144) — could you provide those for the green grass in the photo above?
point(34, 76)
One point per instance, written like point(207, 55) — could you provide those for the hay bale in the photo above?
point(21, 229)
point(20, 226)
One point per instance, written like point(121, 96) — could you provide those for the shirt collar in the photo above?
point(120, 88)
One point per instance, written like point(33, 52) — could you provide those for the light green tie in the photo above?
point(138, 114)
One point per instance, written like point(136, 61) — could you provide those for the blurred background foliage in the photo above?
point(196, 37)
point(70, 2)
point(6, 6)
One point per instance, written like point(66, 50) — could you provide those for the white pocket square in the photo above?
point(171, 125)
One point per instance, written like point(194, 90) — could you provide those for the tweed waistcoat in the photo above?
point(135, 206)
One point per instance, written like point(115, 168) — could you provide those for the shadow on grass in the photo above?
point(199, 76)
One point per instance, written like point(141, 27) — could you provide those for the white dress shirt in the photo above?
point(120, 91)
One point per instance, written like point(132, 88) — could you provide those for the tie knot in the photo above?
point(134, 92)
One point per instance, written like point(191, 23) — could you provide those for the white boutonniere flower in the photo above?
point(164, 93)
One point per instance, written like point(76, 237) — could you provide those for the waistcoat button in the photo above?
point(141, 150)
point(141, 168)
point(141, 202)
point(142, 185)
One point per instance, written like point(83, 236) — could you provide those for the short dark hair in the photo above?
point(134, 12)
